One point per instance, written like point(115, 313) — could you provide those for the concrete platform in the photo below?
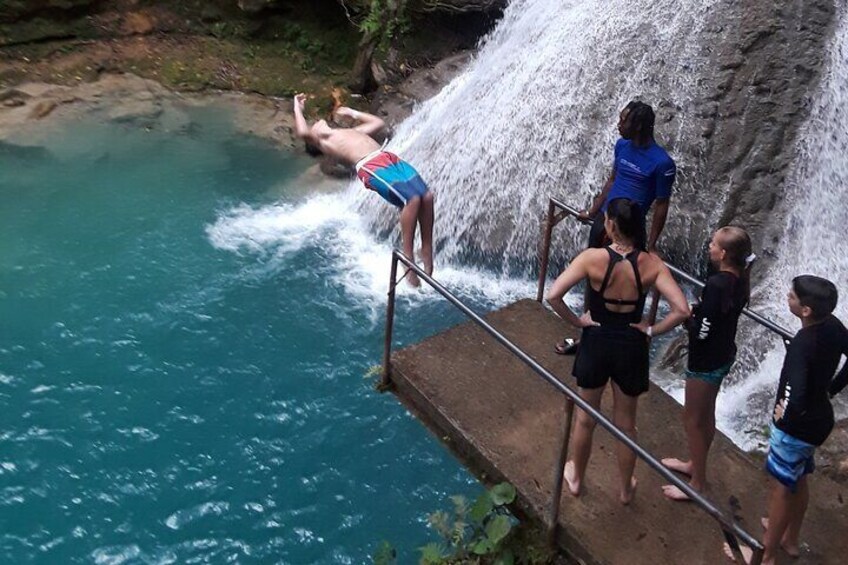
point(505, 423)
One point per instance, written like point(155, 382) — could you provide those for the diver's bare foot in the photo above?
point(792, 549)
point(675, 464)
point(747, 553)
point(427, 260)
point(626, 497)
point(568, 475)
point(673, 493)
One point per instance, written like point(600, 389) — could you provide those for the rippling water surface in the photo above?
point(184, 333)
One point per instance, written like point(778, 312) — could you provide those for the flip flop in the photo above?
point(567, 346)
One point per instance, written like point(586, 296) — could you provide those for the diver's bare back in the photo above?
point(348, 145)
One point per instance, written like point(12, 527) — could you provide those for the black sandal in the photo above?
point(567, 346)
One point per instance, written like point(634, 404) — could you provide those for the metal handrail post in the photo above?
point(385, 380)
point(696, 497)
point(546, 252)
point(553, 513)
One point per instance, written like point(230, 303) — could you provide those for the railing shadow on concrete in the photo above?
point(733, 533)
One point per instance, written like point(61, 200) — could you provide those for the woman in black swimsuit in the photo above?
point(615, 339)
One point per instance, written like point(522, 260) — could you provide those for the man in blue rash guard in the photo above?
point(803, 416)
point(642, 171)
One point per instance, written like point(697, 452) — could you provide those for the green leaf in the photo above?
point(498, 528)
point(385, 554)
point(482, 547)
point(460, 505)
point(440, 521)
point(432, 553)
point(482, 506)
point(503, 493)
point(505, 558)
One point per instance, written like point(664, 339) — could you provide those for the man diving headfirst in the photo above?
point(381, 171)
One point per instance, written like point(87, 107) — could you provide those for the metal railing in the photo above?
point(732, 531)
point(553, 218)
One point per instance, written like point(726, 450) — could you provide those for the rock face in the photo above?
point(832, 457)
point(134, 102)
point(13, 10)
point(761, 82)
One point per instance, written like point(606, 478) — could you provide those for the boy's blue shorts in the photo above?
point(789, 458)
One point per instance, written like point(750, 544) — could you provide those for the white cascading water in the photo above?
point(534, 115)
point(813, 241)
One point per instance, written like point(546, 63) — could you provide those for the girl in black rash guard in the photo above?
point(614, 345)
point(712, 349)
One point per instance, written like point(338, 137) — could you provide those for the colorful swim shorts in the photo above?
point(714, 377)
point(789, 458)
point(389, 176)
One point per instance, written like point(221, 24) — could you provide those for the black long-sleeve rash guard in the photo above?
point(807, 380)
point(712, 327)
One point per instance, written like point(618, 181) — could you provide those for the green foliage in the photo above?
point(386, 20)
point(473, 533)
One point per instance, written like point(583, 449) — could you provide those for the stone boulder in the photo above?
point(15, 10)
point(255, 6)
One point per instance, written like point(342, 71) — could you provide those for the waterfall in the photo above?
point(812, 242)
point(535, 115)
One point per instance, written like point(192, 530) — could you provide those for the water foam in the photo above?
point(360, 260)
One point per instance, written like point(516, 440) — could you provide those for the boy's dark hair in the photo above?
point(818, 294)
point(642, 118)
point(312, 150)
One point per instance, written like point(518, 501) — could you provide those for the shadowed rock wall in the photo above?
point(763, 81)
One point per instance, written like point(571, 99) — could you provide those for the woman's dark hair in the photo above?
point(627, 216)
point(641, 118)
point(738, 249)
point(818, 294)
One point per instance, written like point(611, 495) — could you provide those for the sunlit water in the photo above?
point(184, 334)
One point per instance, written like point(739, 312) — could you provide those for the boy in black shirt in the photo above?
point(803, 416)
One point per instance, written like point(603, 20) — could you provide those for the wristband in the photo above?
point(650, 331)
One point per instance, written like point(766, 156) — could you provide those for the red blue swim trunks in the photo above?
point(392, 178)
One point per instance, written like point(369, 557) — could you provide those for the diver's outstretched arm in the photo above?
point(368, 124)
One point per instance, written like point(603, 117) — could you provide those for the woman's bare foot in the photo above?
point(572, 483)
point(747, 553)
point(792, 549)
point(673, 493)
point(675, 464)
point(626, 497)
